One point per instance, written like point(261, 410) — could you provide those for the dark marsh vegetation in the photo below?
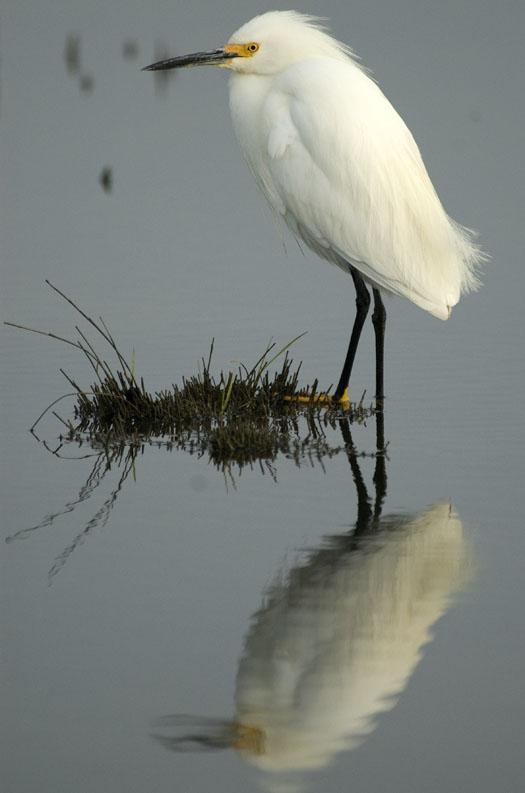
point(239, 417)
point(235, 419)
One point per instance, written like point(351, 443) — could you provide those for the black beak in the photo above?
point(213, 57)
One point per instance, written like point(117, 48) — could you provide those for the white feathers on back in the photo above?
point(334, 158)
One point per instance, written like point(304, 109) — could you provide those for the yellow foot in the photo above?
point(344, 400)
point(248, 739)
point(322, 399)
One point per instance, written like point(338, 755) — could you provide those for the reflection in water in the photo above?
point(337, 637)
point(123, 460)
point(230, 446)
point(337, 640)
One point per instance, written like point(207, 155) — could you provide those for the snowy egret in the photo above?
point(338, 164)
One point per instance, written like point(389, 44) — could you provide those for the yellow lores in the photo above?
point(241, 50)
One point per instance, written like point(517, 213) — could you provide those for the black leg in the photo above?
point(380, 480)
point(379, 320)
point(362, 302)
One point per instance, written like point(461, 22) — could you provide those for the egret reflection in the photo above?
point(337, 637)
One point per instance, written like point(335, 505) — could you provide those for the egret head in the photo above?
point(266, 44)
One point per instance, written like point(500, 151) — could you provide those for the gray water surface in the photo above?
point(260, 617)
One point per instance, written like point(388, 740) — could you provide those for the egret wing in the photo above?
point(353, 185)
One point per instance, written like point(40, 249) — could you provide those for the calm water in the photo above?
point(154, 613)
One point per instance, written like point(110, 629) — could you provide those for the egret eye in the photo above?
point(253, 47)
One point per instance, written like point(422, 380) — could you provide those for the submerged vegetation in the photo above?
point(235, 417)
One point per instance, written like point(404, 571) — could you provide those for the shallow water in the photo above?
point(258, 613)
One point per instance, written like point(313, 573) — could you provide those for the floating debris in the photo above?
point(162, 77)
point(130, 49)
point(106, 179)
point(87, 83)
point(72, 54)
point(73, 62)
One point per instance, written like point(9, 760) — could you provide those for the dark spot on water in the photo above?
point(72, 54)
point(106, 179)
point(130, 49)
point(87, 83)
point(163, 77)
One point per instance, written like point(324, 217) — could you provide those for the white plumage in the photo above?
point(339, 165)
point(337, 162)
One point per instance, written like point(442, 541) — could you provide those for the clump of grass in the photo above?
point(241, 416)
point(117, 403)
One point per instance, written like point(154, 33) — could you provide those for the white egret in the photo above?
point(337, 162)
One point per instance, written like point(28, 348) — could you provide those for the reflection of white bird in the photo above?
point(336, 161)
point(336, 640)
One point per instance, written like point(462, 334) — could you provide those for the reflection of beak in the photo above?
point(214, 58)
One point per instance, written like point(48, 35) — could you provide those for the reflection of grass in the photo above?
point(239, 416)
point(236, 419)
point(120, 459)
point(243, 444)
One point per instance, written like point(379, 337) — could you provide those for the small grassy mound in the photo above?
point(240, 416)
point(119, 404)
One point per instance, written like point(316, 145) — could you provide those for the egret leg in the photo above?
point(379, 321)
point(362, 303)
point(380, 479)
